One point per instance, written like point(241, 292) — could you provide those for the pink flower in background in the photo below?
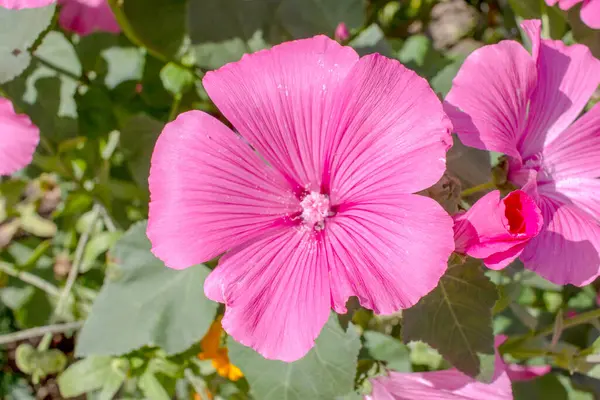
point(450, 384)
point(312, 204)
point(18, 139)
point(497, 230)
point(590, 10)
point(341, 32)
point(21, 4)
point(525, 106)
point(87, 16)
point(518, 372)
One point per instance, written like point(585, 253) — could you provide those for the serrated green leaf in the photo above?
point(392, 351)
point(456, 319)
point(147, 304)
point(325, 372)
point(20, 29)
point(85, 376)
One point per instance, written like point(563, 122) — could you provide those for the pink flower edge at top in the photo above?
point(87, 16)
point(312, 203)
point(527, 106)
point(590, 10)
point(18, 139)
point(23, 4)
point(452, 384)
point(497, 230)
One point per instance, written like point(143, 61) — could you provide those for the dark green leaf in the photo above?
point(392, 351)
point(456, 319)
point(146, 304)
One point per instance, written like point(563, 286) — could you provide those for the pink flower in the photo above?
point(525, 106)
point(312, 204)
point(497, 230)
point(450, 384)
point(18, 139)
point(87, 16)
point(590, 10)
point(21, 4)
point(518, 372)
point(341, 32)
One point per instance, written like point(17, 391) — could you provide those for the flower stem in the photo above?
point(479, 188)
point(39, 331)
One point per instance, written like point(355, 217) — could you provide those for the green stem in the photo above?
point(39, 331)
point(31, 279)
point(579, 319)
point(175, 107)
point(479, 188)
point(83, 80)
point(545, 20)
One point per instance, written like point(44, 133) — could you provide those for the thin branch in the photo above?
point(31, 279)
point(83, 80)
point(39, 331)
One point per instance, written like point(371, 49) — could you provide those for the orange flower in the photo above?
point(207, 394)
point(212, 350)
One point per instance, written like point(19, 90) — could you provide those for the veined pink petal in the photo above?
point(388, 133)
point(18, 139)
point(281, 101)
point(590, 13)
point(567, 78)
point(533, 29)
point(442, 385)
point(21, 4)
point(575, 153)
point(374, 254)
point(582, 192)
point(277, 293)
point(210, 192)
point(518, 372)
point(567, 250)
point(87, 16)
point(488, 100)
point(497, 230)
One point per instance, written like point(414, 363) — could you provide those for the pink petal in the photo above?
point(277, 293)
point(210, 192)
point(489, 97)
point(567, 250)
point(388, 133)
point(497, 230)
point(21, 4)
point(567, 4)
point(590, 13)
point(518, 372)
point(341, 32)
point(551, 2)
point(575, 153)
point(582, 192)
point(87, 16)
point(388, 252)
point(281, 101)
point(533, 29)
point(442, 385)
point(567, 78)
point(18, 139)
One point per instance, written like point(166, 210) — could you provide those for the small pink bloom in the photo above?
point(18, 139)
point(311, 203)
point(497, 230)
point(590, 10)
point(526, 106)
point(442, 385)
point(518, 372)
point(87, 16)
point(21, 4)
point(341, 32)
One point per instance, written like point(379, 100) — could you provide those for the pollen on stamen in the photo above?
point(315, 208)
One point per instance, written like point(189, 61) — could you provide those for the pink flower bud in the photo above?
point(341, 32)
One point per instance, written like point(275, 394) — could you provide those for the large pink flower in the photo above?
point(87, 16)
point(497, 230)
point(590, 10)
point(21, 4)
point(312, 203)
point(18, 139)
point(506, 100)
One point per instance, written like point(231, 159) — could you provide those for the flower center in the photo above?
point(315, 208)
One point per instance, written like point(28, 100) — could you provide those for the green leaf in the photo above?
point(151, 387)
point(371, 40)
point(176, 79)
point(20, 29)
point(442, 82)
point(325, 372)
point(138, 137)
point(305, 18)
point(85, 376)
point(147, 304)
point(456, 319)
point(97, 245)
point(392, 351)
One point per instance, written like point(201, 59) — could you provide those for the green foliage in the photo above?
point(144, 303)
point(325, 372)
point(456, 319)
